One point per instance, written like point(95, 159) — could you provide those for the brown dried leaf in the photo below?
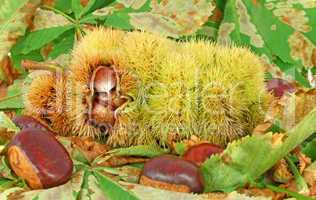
point(281, 172)
point(88, 147)
point(262, 192)
point(309, 175)
point(7, 70)
point(304, 161)
point(291, 108)
point(262, 128)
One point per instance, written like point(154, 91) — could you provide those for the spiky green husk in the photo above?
point(214, 92)
point(177, 89)
point(97, 48)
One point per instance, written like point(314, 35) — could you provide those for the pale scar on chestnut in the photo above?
point(106, 98)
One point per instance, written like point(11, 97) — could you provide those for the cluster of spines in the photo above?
point(193, 88)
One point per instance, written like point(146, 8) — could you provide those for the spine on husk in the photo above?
point(140, 88)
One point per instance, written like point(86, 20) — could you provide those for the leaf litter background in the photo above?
point(281, 32)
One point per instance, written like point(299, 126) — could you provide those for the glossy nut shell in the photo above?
point(37, 157)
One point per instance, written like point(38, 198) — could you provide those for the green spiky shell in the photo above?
point(178, 89)
point(214, 92)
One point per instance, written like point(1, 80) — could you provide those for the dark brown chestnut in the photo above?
point(172, 170)
point(279, 87)
point(104, 79)
point(25, 121)
point(201, 152)
point(37, 157)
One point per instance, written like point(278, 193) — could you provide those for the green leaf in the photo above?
point(14, 99)
point(113, 190)
point(12, 23)
point(63, 6)
point(88, 7)
point(281, 33)
point(310, 149)
point(64, 45)
point(245, 160)
point(5, 122)
point(38, 39)
point(5, 184)
point(140, 150)
point(300, 182)
point(77, 8)
point(119, 20)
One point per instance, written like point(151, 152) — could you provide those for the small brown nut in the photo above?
point(104, 79)
point(172, 170)
point(25, 121)
point(102, 115)
point(37, 157)
point(201, 152)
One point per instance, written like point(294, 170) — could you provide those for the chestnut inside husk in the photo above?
point(106, 98)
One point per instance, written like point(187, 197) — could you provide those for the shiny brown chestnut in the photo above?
point(104, 79)
point(37, 157)
point(201, 152)
point(173, 171)
point(25, 121)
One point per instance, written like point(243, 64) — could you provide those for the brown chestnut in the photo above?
point(104, 79)
point(37, 157)
point(102, 115)
point(172, 170)
point(25, 121)
point(201, 152)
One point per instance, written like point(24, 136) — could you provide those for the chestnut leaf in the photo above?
point(247, 159)
point(140, 150)
point(113, 190)
point(13, 99)
point(5, 122)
